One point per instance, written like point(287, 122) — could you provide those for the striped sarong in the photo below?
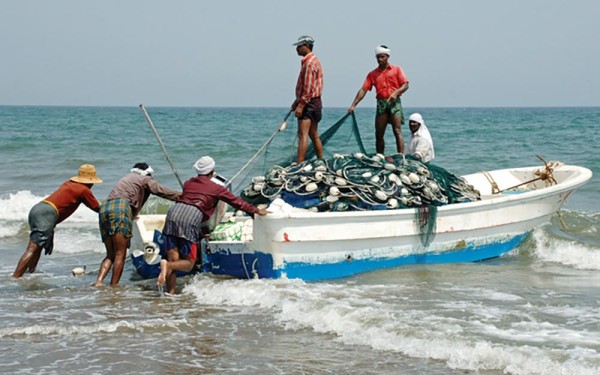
point(183, 221)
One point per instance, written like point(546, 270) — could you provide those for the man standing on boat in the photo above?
point(117, 213)
point(44, 216)
point(308, 106)
point(184, 220)
point(390, 83)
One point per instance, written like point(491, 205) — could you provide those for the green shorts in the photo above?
point(394, 108)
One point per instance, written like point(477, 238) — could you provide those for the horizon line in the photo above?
point(287, 107)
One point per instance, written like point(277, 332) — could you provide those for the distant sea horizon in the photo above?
point(279, 107)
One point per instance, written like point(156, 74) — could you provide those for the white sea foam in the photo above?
point(16, 206)
point(354, 316)
point(565, 252)
point(14, 210)
point(75, 239)
point(9, 229)
point(112, 326)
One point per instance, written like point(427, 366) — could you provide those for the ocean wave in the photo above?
point(16, 206)
point(566, 252)
point(354, 315)
point(73, 329)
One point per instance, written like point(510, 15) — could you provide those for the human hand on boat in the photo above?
point(263, 212)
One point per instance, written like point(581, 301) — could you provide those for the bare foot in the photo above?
point(162, 277)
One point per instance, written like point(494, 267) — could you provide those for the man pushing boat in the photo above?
point(183, 222)
point(44, 216)
point(117, 213)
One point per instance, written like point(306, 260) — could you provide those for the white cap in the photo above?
point(204, 165)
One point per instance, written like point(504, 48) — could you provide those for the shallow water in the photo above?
point(533, 311)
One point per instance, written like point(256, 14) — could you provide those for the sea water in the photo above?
point(535, 310)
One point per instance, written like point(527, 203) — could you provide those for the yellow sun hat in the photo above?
point(86, 175)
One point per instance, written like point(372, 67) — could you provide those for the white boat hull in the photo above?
point(316, 246)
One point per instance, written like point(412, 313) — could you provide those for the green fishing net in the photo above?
point(361, 182)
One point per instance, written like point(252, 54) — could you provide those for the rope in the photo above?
point(244, 264)
point(488, 176)
point(563, 224)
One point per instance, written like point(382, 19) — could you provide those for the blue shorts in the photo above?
point(187, 249)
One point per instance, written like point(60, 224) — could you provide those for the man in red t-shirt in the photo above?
point(390, 83)
point(44, 216)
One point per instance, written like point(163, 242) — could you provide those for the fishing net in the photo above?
point(426, 221)
point(328, 135)
point(348, 182)
point(359, 181)
point(265, 158)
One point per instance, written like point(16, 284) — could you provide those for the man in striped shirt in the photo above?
point(308, 106)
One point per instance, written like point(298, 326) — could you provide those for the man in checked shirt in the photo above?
point(307, 106)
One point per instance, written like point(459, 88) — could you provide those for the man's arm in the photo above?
point(359, 96)
point(396, 94)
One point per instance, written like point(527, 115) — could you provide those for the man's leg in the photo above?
point(107, 263)
point(120, 246)
point(175, 263)
point(30, 257)
point(313, 132)
point(396, 128)
point(33, 262)
point(303, 129)
point(381, 122)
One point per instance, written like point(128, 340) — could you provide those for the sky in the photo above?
point(235, 53)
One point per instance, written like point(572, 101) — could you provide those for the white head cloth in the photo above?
point(144, 172)
point(204, 165)
point(422, 132)
point(382, 50)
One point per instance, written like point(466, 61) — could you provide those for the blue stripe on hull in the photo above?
point(261, 264)
point(245, 265)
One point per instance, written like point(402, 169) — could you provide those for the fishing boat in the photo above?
point(291, 242)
